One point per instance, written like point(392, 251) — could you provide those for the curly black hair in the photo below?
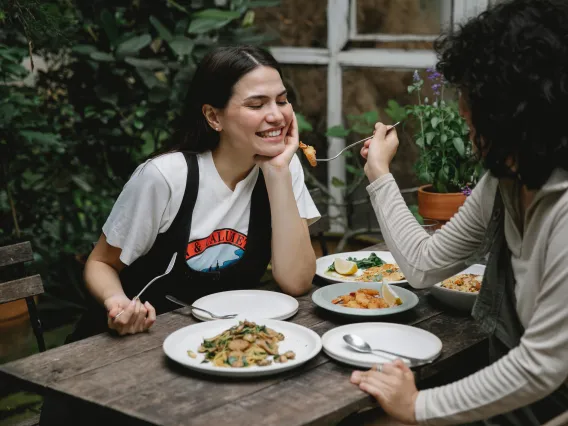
point(511, 65)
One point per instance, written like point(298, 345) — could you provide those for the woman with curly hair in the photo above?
point(510, 65)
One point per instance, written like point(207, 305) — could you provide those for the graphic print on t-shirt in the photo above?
point(217, 251)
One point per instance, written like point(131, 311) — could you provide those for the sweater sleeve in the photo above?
point(530, 371)
point(424, 259)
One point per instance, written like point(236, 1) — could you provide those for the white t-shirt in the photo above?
point(150, 201)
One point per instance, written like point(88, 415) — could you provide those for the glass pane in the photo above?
point(402, 16)
point(297, 23)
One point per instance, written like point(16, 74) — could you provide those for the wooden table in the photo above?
point(130, 379)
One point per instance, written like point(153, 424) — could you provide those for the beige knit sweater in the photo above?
point(539, 247)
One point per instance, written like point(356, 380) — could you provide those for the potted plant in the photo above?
point(446, 164)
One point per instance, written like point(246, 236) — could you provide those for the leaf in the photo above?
point(248, 20)
point(338, 183)
point(337, 132)
point(181, 46)
point(303, 124)
point(362, 128)
point(354, 170)
point(164, 33)
point(41, 137)
point(459, 145)
point(443, 138)
point(148, 77)
point(371, 117)
point(435, 121)
point(102, 57)
point(158, 94)
point(429, 137)
point(420, 142)
point(395, 111)
point(252, 4)
point(151, 64)
point(84, 49)
point(133, 45)
point(203, 25)
point(218, 14)
point(81, 183)
point(109, 25)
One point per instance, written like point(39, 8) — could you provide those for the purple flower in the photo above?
point(436, 88)
point(433, 75)
point(416, 76)
point(466, 191)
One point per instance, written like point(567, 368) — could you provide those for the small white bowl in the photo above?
point(456, 299)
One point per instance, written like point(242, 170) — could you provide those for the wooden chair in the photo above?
point(561, 420)
point(12, 260)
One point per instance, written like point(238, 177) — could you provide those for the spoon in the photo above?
point(360, 345)
point(356, 143)
point(168, 270)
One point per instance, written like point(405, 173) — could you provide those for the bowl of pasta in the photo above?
point(460, 291)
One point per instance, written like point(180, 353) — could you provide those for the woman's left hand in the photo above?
point(291, 143)
point(393, 387)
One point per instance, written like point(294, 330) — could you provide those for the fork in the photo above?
point(187, 305)
point(168, 270)
point(355, 143)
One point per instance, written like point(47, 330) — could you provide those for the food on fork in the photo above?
point(310, 153)
point(467, 283)
point(245, 345)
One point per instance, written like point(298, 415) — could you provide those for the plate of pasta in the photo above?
point(360, 266)
point(242, 348)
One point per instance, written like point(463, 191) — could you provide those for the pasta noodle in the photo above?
point(245, 345)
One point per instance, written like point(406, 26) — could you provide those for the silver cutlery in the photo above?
point(187, 305)
point(168, 270)
point(355, 143)
point(358, 344)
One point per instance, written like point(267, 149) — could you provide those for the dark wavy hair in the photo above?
point(511, 64)
point(213, 83)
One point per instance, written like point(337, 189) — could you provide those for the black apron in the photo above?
point(495, 309)
point(183, 282)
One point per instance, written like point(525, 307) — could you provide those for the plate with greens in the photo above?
point(360, 266)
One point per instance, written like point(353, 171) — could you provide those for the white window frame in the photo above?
point(341, 28)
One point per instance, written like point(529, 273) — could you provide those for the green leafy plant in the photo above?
point(446, 158)
point(116, 78)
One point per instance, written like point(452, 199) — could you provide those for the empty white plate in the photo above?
point(402, 339)
point(323, 263)
point(303, 341)
point(247, 304)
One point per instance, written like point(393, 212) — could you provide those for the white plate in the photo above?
point(247, 304)
point(458, 299)
point(324, 295)
point(303, 341)
point(324, 262)
point(402, 339)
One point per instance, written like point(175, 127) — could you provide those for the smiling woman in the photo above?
point(228, 196)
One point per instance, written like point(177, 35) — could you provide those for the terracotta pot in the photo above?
point(434, 205)
point(13, 312)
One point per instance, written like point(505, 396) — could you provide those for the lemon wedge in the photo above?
point(344, 267)
point(390, 296)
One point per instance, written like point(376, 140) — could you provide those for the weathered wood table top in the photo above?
point(130, 379)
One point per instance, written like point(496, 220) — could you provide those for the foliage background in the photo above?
point(116, 76)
